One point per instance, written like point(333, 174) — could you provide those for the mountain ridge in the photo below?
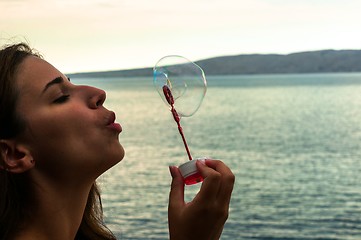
point(321, 61)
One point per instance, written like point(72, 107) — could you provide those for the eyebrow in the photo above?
point(57, 80)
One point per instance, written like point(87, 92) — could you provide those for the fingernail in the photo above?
point(202, 160)
point(171, 171)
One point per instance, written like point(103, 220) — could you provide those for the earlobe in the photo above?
point(16, 158)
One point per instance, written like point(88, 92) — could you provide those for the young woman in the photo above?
point(56, 138)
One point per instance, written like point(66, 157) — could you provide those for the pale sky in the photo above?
point(96, 35)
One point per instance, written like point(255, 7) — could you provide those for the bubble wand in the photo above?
point(182, 85)
point(169, 97)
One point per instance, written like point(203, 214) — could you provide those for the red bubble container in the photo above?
point(190, 172)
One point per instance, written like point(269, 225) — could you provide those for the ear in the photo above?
point(16, 157)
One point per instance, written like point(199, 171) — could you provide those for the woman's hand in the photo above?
point(203, 218)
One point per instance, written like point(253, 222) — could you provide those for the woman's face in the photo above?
point(69, 132)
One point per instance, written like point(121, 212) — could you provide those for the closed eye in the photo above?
point(62, 99)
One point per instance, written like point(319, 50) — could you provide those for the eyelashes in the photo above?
point(62, 99)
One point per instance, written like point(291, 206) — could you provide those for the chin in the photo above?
point(112, 160)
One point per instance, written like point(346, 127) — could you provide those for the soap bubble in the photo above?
point(186, 81)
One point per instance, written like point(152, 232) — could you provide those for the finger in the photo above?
point(176, 195)
point(227, 180)
point(211, 182)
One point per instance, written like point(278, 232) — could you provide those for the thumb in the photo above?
point(176, 195)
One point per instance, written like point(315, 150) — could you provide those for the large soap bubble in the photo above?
point(186, 81)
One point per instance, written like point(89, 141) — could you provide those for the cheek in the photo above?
point(74, 141)
point(58, 132)
point(59, 122)
point(63, 154)
point(48, 134)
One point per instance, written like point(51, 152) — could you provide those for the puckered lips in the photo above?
point(112, 124)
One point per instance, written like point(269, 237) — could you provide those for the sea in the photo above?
point(293, 142)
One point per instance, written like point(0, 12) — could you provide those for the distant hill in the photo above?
point(303, 62)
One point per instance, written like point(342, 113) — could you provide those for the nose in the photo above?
point(96, 97)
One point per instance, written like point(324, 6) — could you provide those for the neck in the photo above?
point(57, 211)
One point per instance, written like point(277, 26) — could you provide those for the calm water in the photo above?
point(293, 142)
